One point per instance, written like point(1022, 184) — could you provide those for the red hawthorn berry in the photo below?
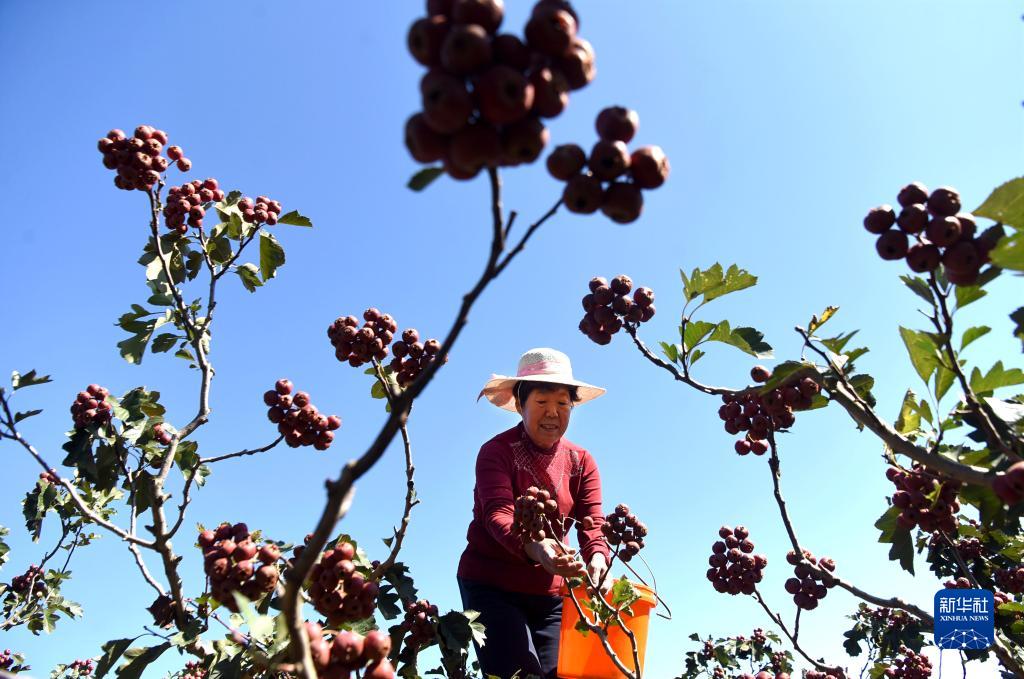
point(892, 245)
point(880, 219)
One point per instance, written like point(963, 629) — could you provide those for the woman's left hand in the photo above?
point(597, 569)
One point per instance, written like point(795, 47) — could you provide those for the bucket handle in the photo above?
point(653, 586)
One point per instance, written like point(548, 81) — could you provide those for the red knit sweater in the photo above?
point(507, 465)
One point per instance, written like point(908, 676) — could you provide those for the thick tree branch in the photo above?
point(340, 490)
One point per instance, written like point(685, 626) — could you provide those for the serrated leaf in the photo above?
point(293, 218)
point(838, 343)
point(139, 659)
point(909, 418)
point(424, 178)
point(112, 652)
point(695, 331)
point(920, 287)
point(817, 322)
point(671, 351)
point(164, 342)
point(971, 334)
point(734, 280)
point(922, 352)
point(996, 377)
point(965, 294)
point(1009, 252)
point(748, 340)
point(1005, 204)
point(250, 276)
point(29, 379)
point(695, 356)
point(271, 255)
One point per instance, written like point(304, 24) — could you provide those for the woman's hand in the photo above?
point(555, 557)
point(597, 569)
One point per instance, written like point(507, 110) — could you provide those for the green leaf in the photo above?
point(29, 379)
point(944, 378)
point(902, 546)
point(971, 334)
point(1005, 204)
point(139, 659)
point(747, 340)
point(735, 279)
point(18, 417)
point(695, 356)
point(965, 294)
point(250, 276)
point(164, 342)
point(1009, 252)
point(909, 418)
point(219, 249)
point(989, 506)
point(997, 377)
point(671, 351)
point(862, 384)
point(271, 255)
point(920, 287)
point(922, 352)
point(623, 593)
point(377, 390)
point(838, 343)
point(293, 218)
point(694, 332)
point(816, 322)
point(782, 373)
point(424, 177)
point(4, 549)
point(112, 652)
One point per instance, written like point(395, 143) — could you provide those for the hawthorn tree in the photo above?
point(958, 474)
point(314, 607)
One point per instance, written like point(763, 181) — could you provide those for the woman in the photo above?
point(515, 586)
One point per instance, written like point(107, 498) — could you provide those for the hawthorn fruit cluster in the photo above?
point(412, 356)
point(942, 234)
point(826, 674)
point(162, 435)
point(7, 660)
point(910, 666)
point(534, 512)
point(735, 568)
point(809, 587)
point(419, 623)
point(184, 206)
point(607, 307)
point(90, 407)
point(139, 160)
point(30, 582)
point(1011, 579)
point(358, 346)
point(757, 413)
point(297, 419)
point(81, 668)
point(485, 93)
point(959, 583)
point(611, 178)
point(262, 211)
point(338, 590)
point(194, 670)
point(1009, 485)
point(350, 652)
point(924, 498)
point(234, 563)
point(621, 527)
point(890, 619)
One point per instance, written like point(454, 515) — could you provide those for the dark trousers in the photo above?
point(522, 630)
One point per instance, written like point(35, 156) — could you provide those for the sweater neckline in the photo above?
point(533, 447)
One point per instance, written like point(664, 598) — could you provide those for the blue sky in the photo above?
point(784, 123)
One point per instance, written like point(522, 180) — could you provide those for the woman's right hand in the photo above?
point(555, 558)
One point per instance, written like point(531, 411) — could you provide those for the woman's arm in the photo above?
point(494, 489)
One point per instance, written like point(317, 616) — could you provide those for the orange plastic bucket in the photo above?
point(584, 657)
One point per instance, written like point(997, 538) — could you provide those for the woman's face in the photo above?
point(546, 415)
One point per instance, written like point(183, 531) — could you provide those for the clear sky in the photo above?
point(784, 122)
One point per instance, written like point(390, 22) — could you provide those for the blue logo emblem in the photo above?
point(964, 618)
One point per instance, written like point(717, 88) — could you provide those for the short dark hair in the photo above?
point(524, 388)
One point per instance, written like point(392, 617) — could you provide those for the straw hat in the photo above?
point(537, 365)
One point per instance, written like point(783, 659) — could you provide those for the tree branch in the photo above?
point(673, 370)
point(793, 640)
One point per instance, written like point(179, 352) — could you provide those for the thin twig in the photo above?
point(240, 453)
point(673, 370)
point(792, 638)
